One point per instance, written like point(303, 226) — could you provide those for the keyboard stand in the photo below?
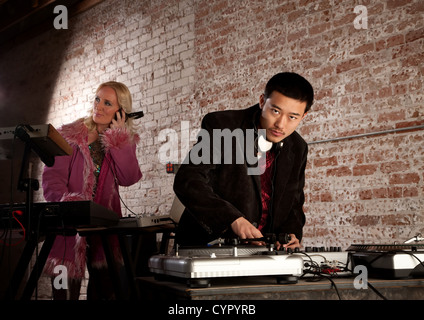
point(24, 263)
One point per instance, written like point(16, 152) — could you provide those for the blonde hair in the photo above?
point(123, 95)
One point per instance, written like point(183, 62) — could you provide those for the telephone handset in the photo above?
point(134, 115)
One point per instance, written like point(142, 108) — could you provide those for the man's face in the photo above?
point(280, 115)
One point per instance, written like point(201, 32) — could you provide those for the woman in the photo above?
point(104, 157)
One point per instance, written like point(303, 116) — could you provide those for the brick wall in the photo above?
point(182, 59)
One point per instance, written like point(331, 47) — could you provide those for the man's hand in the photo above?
point(244, 229)
point(293, 243)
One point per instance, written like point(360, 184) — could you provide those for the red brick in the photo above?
point(325, 162)
point(395, 166)
point(367, 47)
point(352, 158)
point(415, 7)
point(364, 170)
point(395, 192)
point(295, 36)
point(379, 193)
point(413, 60)
point(366, 220)
point(294, 15)
point(410, 192)
point(400, 89)
point(391, 116)
point(395, 40)
point(348, 65)
point(393, 4)
point(385, 92)
point(397, 219)
point(326, 197)
point(406, 124)
point(404, 178)
point(320, 28)
point(414, 35)
point(339, 172)
point(365, 194)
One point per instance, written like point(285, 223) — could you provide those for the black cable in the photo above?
point(334, 285)
point(117, 184)
point(329, 278)
point(383, 254)
point(318, 275)
point(372, 287)
point(376, 291)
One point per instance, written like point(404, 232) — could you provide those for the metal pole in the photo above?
point(368, 134)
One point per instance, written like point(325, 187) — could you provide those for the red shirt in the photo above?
point(266, 188)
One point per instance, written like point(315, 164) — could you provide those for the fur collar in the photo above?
point(75, 133)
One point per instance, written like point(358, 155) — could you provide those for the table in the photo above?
point(130, 257)
point(266, 288)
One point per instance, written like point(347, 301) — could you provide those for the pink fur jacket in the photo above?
point(71, 178)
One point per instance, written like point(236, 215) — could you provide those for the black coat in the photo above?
point(214, 195)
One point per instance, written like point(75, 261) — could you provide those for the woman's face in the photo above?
point(105, 106)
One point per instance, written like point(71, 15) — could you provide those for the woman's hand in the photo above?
point(119, 122)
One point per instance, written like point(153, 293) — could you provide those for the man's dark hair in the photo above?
point(291, 85)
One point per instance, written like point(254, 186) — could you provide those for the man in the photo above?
point(221, 199)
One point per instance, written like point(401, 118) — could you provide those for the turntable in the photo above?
point(390, 261)
point(198, 266)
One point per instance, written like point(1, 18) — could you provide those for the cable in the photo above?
point(322, 276)
point(318, 274)
point(334, 285)
point(10, 244)
point(376, 291)
point(117, 184)
point(383, 254)
point(371, 286)
point(125, 205)
point(326, 267)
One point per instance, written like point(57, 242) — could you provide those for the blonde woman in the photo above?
point(104, 158)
